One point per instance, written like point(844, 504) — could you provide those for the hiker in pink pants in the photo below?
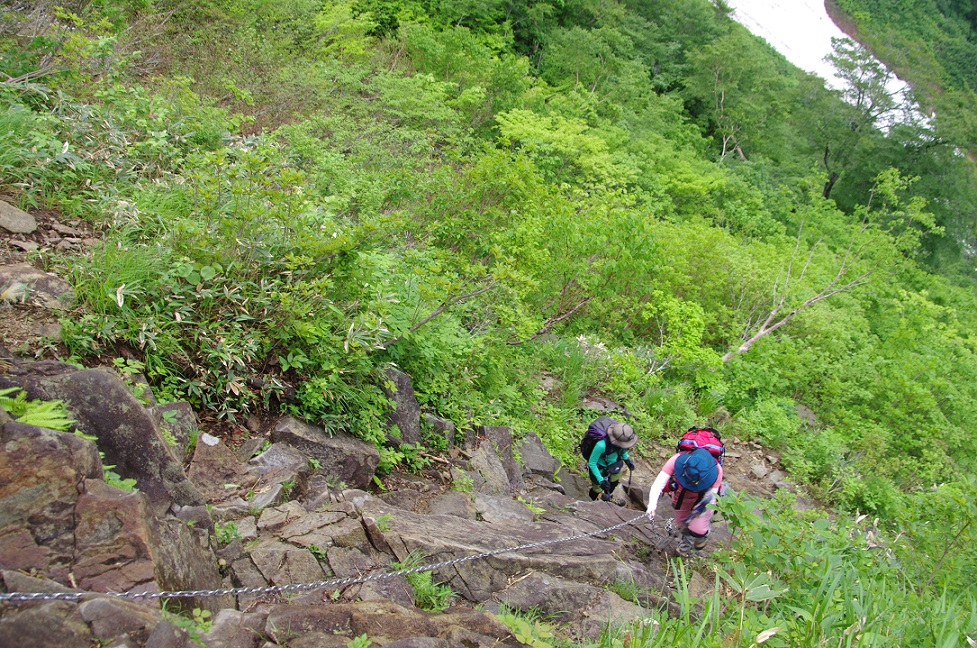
point(694, 479)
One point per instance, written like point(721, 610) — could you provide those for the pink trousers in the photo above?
point(699, 525)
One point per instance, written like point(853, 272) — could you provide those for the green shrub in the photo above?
point(227, 532)
point(429, 595)
point(528, 629)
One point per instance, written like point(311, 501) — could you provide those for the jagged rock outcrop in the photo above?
point(406, 413)
point(42, 476)
point(61, 520)
point(341, 456)
point(126, 432)
point(289, 508)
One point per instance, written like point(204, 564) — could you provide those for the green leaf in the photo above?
point(763, 593)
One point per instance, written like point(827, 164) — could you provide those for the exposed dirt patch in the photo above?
point(25, 329)
point(842, 20)
point(55, 234)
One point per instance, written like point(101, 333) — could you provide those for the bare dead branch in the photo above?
point(440, 309)
point(46, 68)
point(660, 368)
point(551, 321)
point(771, 324)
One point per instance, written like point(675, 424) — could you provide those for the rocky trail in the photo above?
point(283, 504)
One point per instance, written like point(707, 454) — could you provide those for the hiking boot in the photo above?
point(607, 497)
point(690, 544)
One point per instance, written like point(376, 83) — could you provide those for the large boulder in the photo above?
point(113, 540)
point(499, 509)
point(114, 619)
point(183, 559)
point(487, 471)
point(574, 485)
point(283, 465)
point(51, 624)
point(553, 596)
point(42, 475)
point(234, 629)
point(610, 610)
point(442, 537)
point(92, 621)
point(216, 471)
point(342, 456)
point(536, 459)
point(385, 623)
point(501, 439)
point(125, 431)
point(453, 503)
point(283, 564)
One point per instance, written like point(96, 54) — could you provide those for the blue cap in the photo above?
point(696, 471)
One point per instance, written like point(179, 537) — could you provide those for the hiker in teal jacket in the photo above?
point(608, 457)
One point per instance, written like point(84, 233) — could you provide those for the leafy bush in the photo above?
point(528, 629)
point(802, 579)
point(429, 595)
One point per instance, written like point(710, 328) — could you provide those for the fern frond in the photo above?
point(14, 406)
point(46, 414)
point(50, 419)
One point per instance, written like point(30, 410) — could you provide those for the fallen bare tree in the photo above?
point(769, 321)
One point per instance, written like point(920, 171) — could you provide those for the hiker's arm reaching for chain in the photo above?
point(656, 491)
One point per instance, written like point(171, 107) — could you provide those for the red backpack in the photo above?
point(693, 439)
point(705, 437)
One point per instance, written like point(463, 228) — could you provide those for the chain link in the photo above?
point(305, 587)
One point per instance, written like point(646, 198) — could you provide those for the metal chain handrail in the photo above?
point(304, 587)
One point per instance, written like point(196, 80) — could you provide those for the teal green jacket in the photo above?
point(599, 461)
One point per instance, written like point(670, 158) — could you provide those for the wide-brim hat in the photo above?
point(696, 471)
point(621, 435)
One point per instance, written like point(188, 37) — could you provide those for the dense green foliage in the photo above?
point(520, 204)
point(769, 591)
point(933, 45)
